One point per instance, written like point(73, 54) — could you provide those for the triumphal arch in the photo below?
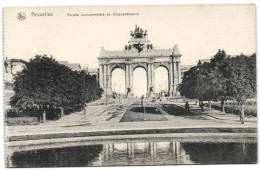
point(139, 52)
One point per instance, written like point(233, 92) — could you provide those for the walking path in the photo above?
point(218, 116)
point(102, 120)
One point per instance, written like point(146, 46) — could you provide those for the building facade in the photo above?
point(139, 52)
point(72, 66)
point(11, 68)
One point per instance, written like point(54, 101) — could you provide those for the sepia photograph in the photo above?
point(129, 85)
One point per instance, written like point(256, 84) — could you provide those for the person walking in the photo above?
point(187, 107)
point(142, 100)
point(202, 106)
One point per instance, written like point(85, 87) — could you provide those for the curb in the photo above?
point(132, 132)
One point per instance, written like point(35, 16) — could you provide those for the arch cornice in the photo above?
point(162, 64)
point(113, 66)
point(136, 65)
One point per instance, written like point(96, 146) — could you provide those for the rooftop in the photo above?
point(134, 53)
point(92, 70)
point(73, 66)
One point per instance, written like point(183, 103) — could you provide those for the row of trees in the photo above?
point(223, 78)
point(45, 86)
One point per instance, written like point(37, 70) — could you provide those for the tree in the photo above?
point(205, 79)
point(222, 79)
point(47, 85)
point(189, 83)
point(243, 80)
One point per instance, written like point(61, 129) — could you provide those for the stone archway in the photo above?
point(139, 81)
point(118, 80)
point(139, 53)
point(161, 85)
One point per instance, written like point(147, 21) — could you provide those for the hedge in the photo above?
point(235, 110)
point(22, 121)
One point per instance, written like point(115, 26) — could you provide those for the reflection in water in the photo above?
point(138, 153)
point(70, 156)
point(225, 153)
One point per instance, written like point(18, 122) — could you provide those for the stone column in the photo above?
point(179, 73)
point(109, 81)
point(104, 80)
point(148, 79)
point(148, 73)
point(152, 79)
point(131, 78)
point(178, 76)
point(153, 75)
point(126, 77)
point(105, 76)
point(108, 74)
point(175, 78)
point(101, 75)
point(171, 80)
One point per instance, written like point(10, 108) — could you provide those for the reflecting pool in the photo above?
point(138, 152)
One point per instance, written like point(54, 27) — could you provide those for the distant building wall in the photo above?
point(72, 66)
point(11, 69)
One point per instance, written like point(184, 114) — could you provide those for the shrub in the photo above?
point(236, 110)
point(22, 121)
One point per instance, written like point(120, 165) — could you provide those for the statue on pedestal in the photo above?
point(138, 32)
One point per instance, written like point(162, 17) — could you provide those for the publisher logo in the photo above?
point(21, 16)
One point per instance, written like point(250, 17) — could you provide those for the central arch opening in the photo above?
point(139, 82)
point(118, 80)
point(161, 81)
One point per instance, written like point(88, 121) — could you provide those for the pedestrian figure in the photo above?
point(114, 97)
point(84, 109)
point(202, 106)
point(187, 107)
point(142, 100)
point(240, 115)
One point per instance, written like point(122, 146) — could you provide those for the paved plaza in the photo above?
point(104, 118)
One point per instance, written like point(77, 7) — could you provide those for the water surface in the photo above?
point(141, 152)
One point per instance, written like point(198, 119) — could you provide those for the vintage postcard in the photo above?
point(130, 85)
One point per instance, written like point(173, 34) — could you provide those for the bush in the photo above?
point(22, 121)
point(51, 114)
point(236, 110)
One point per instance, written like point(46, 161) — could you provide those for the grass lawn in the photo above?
point(176, 110)
point(136, 114)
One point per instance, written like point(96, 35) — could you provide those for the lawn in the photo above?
point(136, 114)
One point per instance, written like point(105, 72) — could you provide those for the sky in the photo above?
point(199, 31)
